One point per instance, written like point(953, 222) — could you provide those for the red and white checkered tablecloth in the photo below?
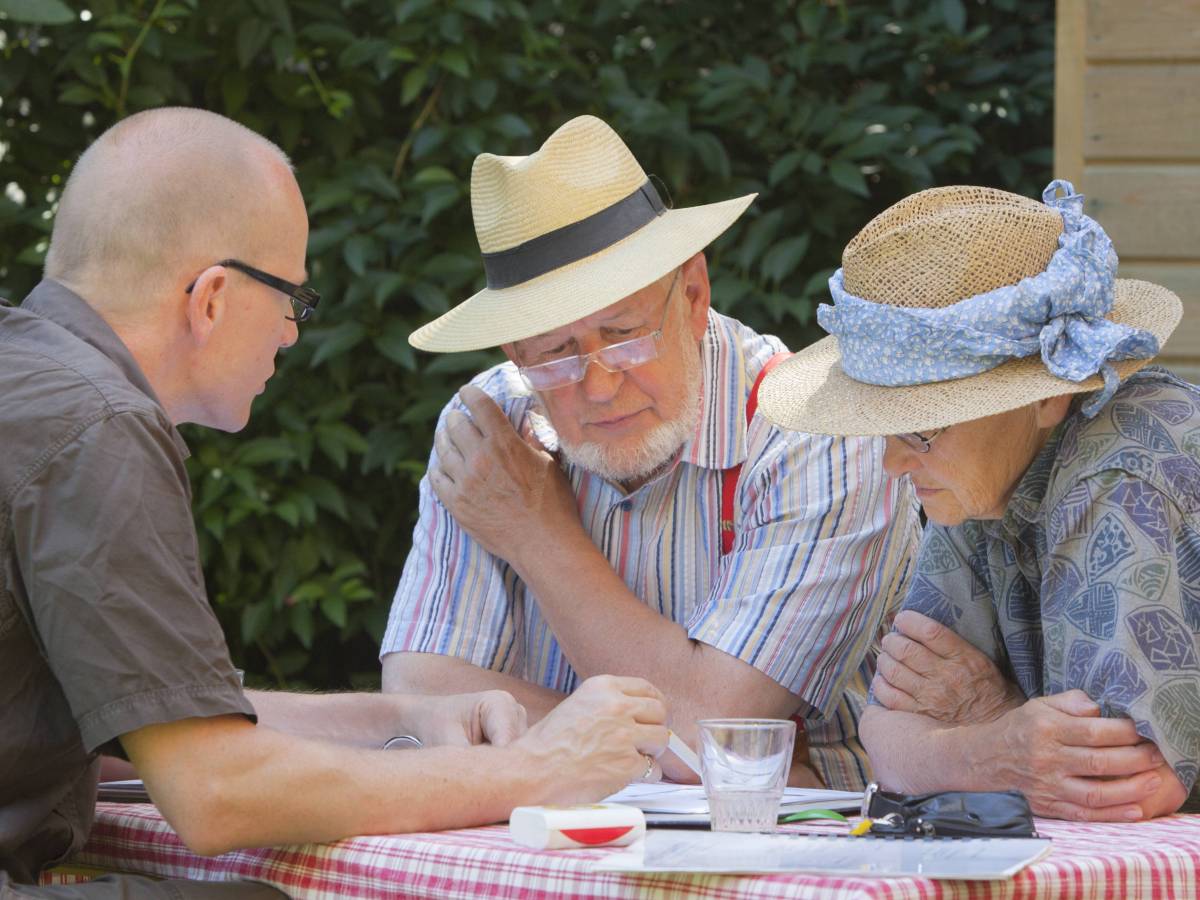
point(1156, 859)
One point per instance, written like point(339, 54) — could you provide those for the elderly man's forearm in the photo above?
point(432, 673)
point(603, 627)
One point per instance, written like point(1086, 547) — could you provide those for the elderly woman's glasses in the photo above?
point(613, 358)
point(304, 299)
point(919, 442)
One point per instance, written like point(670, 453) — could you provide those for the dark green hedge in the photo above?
point(831, 110)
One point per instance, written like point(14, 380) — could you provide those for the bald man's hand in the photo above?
point(508, 493)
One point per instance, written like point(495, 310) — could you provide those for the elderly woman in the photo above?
point(1049, 640)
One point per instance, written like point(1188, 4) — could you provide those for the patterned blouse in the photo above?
point(1091, 579)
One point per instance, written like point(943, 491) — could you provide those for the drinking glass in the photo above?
point(744, 765)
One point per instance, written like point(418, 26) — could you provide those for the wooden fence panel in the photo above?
point(1143, 29)
point(1124, 111)
point(1148, 210)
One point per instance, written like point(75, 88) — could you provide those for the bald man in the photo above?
point(172, 279)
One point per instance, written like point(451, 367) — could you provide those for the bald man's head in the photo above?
point(162, 194)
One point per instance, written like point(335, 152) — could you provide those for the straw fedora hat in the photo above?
point(932, 250)
point(565, 232)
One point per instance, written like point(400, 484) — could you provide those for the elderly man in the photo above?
point(600, 502)
point(158, 308)
point(1050, 642)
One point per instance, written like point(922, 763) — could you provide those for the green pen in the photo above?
point(809, 814)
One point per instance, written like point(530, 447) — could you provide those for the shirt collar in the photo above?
point(59, 304)
point(719, 441)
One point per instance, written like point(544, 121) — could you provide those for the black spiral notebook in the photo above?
point(133, 791)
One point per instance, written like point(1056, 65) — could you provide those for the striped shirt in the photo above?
point(820, 558)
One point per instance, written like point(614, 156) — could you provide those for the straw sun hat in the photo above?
point(932, 251)
point(565, 232)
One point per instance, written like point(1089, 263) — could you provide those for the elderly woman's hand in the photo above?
point(926, 668)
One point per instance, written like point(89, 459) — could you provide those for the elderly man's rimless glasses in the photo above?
point(920, 442)
point(304, 299)
point(613, 358)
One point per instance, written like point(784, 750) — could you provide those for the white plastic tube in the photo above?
point(562, 827)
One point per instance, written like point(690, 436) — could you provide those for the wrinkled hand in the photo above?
point(507, 493)
point(597, 740)
point(459, 720)
point(926, 668)
point(1069, 762)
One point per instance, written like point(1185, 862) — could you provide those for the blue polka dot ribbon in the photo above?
point(1059, 312)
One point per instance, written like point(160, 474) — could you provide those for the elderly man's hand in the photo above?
point(926, 668)
point(605, 735)
point(488, 717)
point(1069, 762)
point(508, 495)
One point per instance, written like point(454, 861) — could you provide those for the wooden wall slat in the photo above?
point(1068, 89)
point(1142, 111)
point(1143, 29)
point(1147, 210)
point(1127, 93)
point(1183, 348)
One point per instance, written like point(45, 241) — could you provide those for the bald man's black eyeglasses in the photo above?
point(304, 299)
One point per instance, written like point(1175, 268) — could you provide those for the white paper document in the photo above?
point(969, 859)
point(685, 804)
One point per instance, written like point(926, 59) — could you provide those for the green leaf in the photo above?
point(334, 608)
point(362, 51)
point(393, 344)
point(260, 451)
point(481, 9)
point(79, 94)
point(336, 341)
point(512, 126)
point(327, 33)
point(301, 619)
point(811, 15)
point(785, 166)
point(454, 60)
point(235, 88)
point(38, 12)
point(252, 36)
point(326, 496)
point(759, 236)
point(256, 616)
point(413, 84)
point(410, 8)
point(848, 177)
point(436, 201)
point(434, 175)
point(102, 40)
point(145, 96)
point(358, 250)
point(288, 511)
point(483, 93)
point(955, 15)
point(782, 259)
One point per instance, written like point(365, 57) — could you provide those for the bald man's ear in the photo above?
point(207, 303)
